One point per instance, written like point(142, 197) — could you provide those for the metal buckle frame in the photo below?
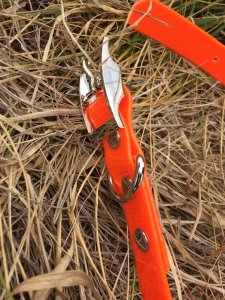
point(111, 83)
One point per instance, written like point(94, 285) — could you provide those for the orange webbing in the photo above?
point(166, 26)
point(140, 210)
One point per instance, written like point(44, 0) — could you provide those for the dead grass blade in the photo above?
point(54, 280)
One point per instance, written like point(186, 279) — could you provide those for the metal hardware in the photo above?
point(114, 139)
point(126, 183)
point(110, 83)
point(131, 188)
point(87, 82)
point(141, 239)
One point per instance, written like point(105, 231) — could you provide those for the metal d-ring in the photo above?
point(133, 185)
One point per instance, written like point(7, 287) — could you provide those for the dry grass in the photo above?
point(61, 234)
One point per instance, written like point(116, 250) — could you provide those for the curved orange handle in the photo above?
point(163, 24)
point(140, 210)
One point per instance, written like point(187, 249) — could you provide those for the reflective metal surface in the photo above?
point(110, 83)
point(114, 139)
point(87, 83)
point(141, 240)
point(134, 183)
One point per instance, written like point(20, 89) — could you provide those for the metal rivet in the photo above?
point(141, 239)
point(114, 139)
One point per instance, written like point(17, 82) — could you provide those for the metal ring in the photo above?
point(134, 183)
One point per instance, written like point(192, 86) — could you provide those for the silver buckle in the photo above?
point(111, 84)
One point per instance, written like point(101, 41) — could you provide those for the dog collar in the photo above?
point(106, 106)
point(163, 24)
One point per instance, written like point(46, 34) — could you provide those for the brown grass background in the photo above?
point(62, 236)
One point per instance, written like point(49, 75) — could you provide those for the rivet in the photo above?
point(114, 139)
point(141, 239)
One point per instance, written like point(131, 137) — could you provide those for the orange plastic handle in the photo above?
point(140, 210)
point(163, 24)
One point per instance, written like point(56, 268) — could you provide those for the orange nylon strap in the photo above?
point(140, 210)
point(163, 24)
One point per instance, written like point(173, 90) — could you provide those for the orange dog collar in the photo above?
point(163, 24)
point(107, 108)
